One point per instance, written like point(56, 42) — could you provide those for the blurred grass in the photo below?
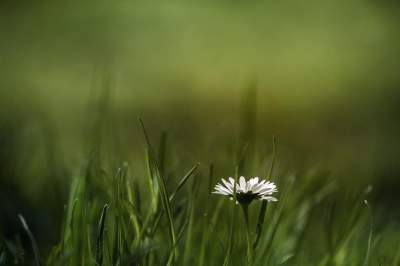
point(293, 225)
point(221, 78)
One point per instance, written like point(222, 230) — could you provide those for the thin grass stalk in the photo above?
point(227, 260)
point(249, 258)
point(162, 151)
point(368, 252)
point(100, 236)
point(154, 167)
point(206, 223)
point(264, 204)
point(31, 239)
point(183, 181)
point(190, 220)
point(264, 249)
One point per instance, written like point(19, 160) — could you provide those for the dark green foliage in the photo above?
point(154, 220)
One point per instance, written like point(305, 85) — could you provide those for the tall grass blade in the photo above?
point(179, 237)
point(264, 249)
point(183, 181)
point(100, 236)
point(172, 196)
point(31, 239)
point(228, 255)
point(368, 252)
point(162, 150)
point(163, 189)
point(206, 224)
point(189, 235)
point(263, 208)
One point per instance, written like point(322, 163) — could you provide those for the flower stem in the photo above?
point(245, 208)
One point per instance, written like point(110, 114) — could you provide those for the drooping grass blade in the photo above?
point(31, 239)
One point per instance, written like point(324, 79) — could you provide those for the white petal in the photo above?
point(220, 192)
point(266, 191)
point(252, 183)
point(269, 198)
point(242, 184)
point(270, 184)
point(227, 184)
point(222, 188)
point(257, 188)
point(249, 185)
point(256, 179)
point(232, 181)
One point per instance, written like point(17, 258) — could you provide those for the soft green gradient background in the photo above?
point(326, 72)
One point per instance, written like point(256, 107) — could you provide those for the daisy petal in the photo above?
point(227, 184)
point(242, 184)
point(246, 191)
point(269, 198)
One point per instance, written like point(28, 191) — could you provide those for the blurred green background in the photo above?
point(321, 76)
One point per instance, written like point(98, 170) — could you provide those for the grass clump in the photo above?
point(157, 209)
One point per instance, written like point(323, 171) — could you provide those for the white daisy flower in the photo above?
point(247, 191)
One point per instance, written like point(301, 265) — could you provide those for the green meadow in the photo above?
point(119, 119)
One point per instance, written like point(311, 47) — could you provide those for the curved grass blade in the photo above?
point(31, 238)
point(167, 208)
point(172, 196)
point(163, 189)
point(100, 236)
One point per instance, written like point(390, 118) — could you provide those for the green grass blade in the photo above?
point(183, 181)
point(100, 236)
point(146, 136)
point(206, 220)
point(163, 189)
point(162, 150)
point(167, 209)
point(189, 235)
point(273, 226)
point(368, 252)
point(153, 186)
point(263, 208)
point(172, 196)
point(228, 255)
point(31, 239)
point(180, 234)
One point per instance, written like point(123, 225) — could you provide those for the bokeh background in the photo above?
point(320, 76)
